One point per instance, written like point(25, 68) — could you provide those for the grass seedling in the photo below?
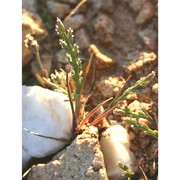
point(142, 127)
point(141, 82)
point(114, 104)
point(144, 114)
point(136, 124)
point(72, 55)
point(79, 76)
point(127, 172)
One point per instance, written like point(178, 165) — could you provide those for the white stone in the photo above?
point(115, 146)
point(47, 113)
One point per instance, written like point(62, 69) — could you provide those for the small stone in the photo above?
point(131, 135)
point(140, 60)
point(82, 39)
point(144, 121)
point(155, 88)
point(57, 9)
point(145, 14)
point(144, 143)
point(75, 21)
point(31, 24)
point(149, 37)
point(115, 146)
point(136, 5)
point(30, 5)
point(135, 106)
point(47, 113)
point(105, 28)
point(109, 86)
point(106, 5)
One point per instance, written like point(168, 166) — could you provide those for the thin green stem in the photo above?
point(141, 82)
point(72, 54)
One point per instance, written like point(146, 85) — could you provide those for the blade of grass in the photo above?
point(142, 127)
point(141, 82)
point(99, 118)
point(47, 137)
point(91, 114)
point(119, 94)
point(148, 116)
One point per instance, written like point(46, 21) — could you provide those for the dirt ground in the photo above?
point(132, 44)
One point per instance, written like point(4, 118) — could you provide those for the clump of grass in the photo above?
point(123, 95)
point(72, 54)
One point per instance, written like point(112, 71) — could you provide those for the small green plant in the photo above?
point(131, 119)
point(141, 82)
point(75, 91)
point(72, 55)
point(127, 172)
point(142, 127)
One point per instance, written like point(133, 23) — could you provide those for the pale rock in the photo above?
point(31, 24)
point(105, 5)
point(136, 5)
point(47, 113)
point(30, 5)
point(74, 22)
point(57, 9)
point(109, 86)
point(149, 36)
point(155, 88)
point(82, 39)
point(81, 160)
point(115, 146)
point(139, 61)
point(145, 14)
point(104, 27)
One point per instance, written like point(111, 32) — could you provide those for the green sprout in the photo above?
point(141, 82)
point(72, 55)
point(142, 127)
point(126, 170)
point(131, 114)
point(114, 104)
point(144, 115)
